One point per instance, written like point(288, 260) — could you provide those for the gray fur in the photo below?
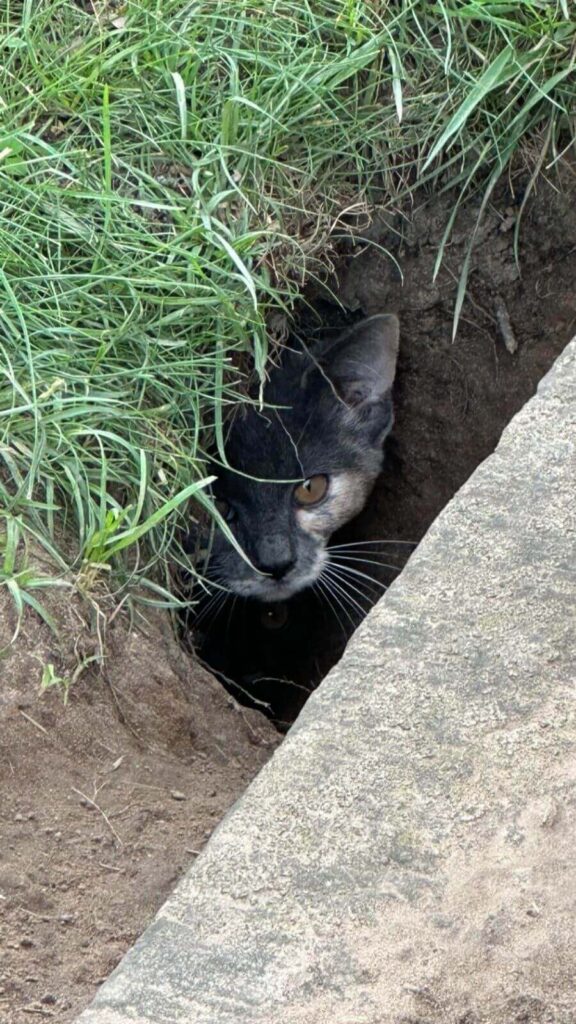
point(326, 413)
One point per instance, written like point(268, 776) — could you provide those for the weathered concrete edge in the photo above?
point(228, 878)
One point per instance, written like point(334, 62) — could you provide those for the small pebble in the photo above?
point(177, 795)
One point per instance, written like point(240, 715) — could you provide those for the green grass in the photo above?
point(172, 172)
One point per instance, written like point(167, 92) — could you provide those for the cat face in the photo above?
point(300, 470)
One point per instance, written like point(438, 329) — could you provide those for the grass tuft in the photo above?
point(172, 171)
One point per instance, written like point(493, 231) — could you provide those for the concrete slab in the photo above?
point(408, 853)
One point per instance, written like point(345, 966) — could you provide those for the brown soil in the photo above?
point(103, 803)
point(454, 397)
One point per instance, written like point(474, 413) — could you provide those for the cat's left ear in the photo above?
point(361, 365)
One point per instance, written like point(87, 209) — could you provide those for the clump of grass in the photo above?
point(172, 171)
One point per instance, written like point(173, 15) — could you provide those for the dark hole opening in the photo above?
point(452, 401)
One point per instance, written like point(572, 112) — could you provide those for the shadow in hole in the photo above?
point(271, 656)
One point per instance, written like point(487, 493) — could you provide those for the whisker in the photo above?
point(366, 543)
point(358, 612)
point(322, 593)
point(345, 595)
point(347, 586)
point(349, 589)
point(331, 588)
point(230, 616)
point(213, 608)
point(203, 611)
point(345, 571)
point(368, 561)
point(358, 572)
point(347, 603)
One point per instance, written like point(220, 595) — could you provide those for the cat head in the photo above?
point(303, 465)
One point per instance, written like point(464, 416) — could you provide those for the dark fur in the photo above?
point(324, 414)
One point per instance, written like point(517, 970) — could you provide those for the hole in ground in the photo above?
point(452, 401)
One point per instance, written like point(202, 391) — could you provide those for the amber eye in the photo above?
point(312, 490)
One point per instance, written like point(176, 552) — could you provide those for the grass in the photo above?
point(171, 173)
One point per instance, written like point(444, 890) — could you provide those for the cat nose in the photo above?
point(278, 570)
point(274, 555)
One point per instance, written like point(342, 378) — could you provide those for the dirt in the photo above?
point(452, 399)
point(106, 801)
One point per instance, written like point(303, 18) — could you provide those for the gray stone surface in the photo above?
point(408, 855)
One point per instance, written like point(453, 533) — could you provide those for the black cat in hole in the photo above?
point(298, 468)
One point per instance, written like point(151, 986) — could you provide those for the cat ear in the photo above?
point(362, 362)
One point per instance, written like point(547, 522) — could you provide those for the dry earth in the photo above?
point(104, 802)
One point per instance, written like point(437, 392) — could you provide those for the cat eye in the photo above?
point(225, 509)
point(311, 491)
point(274, 616)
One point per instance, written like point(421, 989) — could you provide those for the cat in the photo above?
point(304, 463)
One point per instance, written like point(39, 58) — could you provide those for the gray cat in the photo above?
point(305, 464)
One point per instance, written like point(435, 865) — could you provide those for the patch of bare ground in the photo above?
point(103, 802)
